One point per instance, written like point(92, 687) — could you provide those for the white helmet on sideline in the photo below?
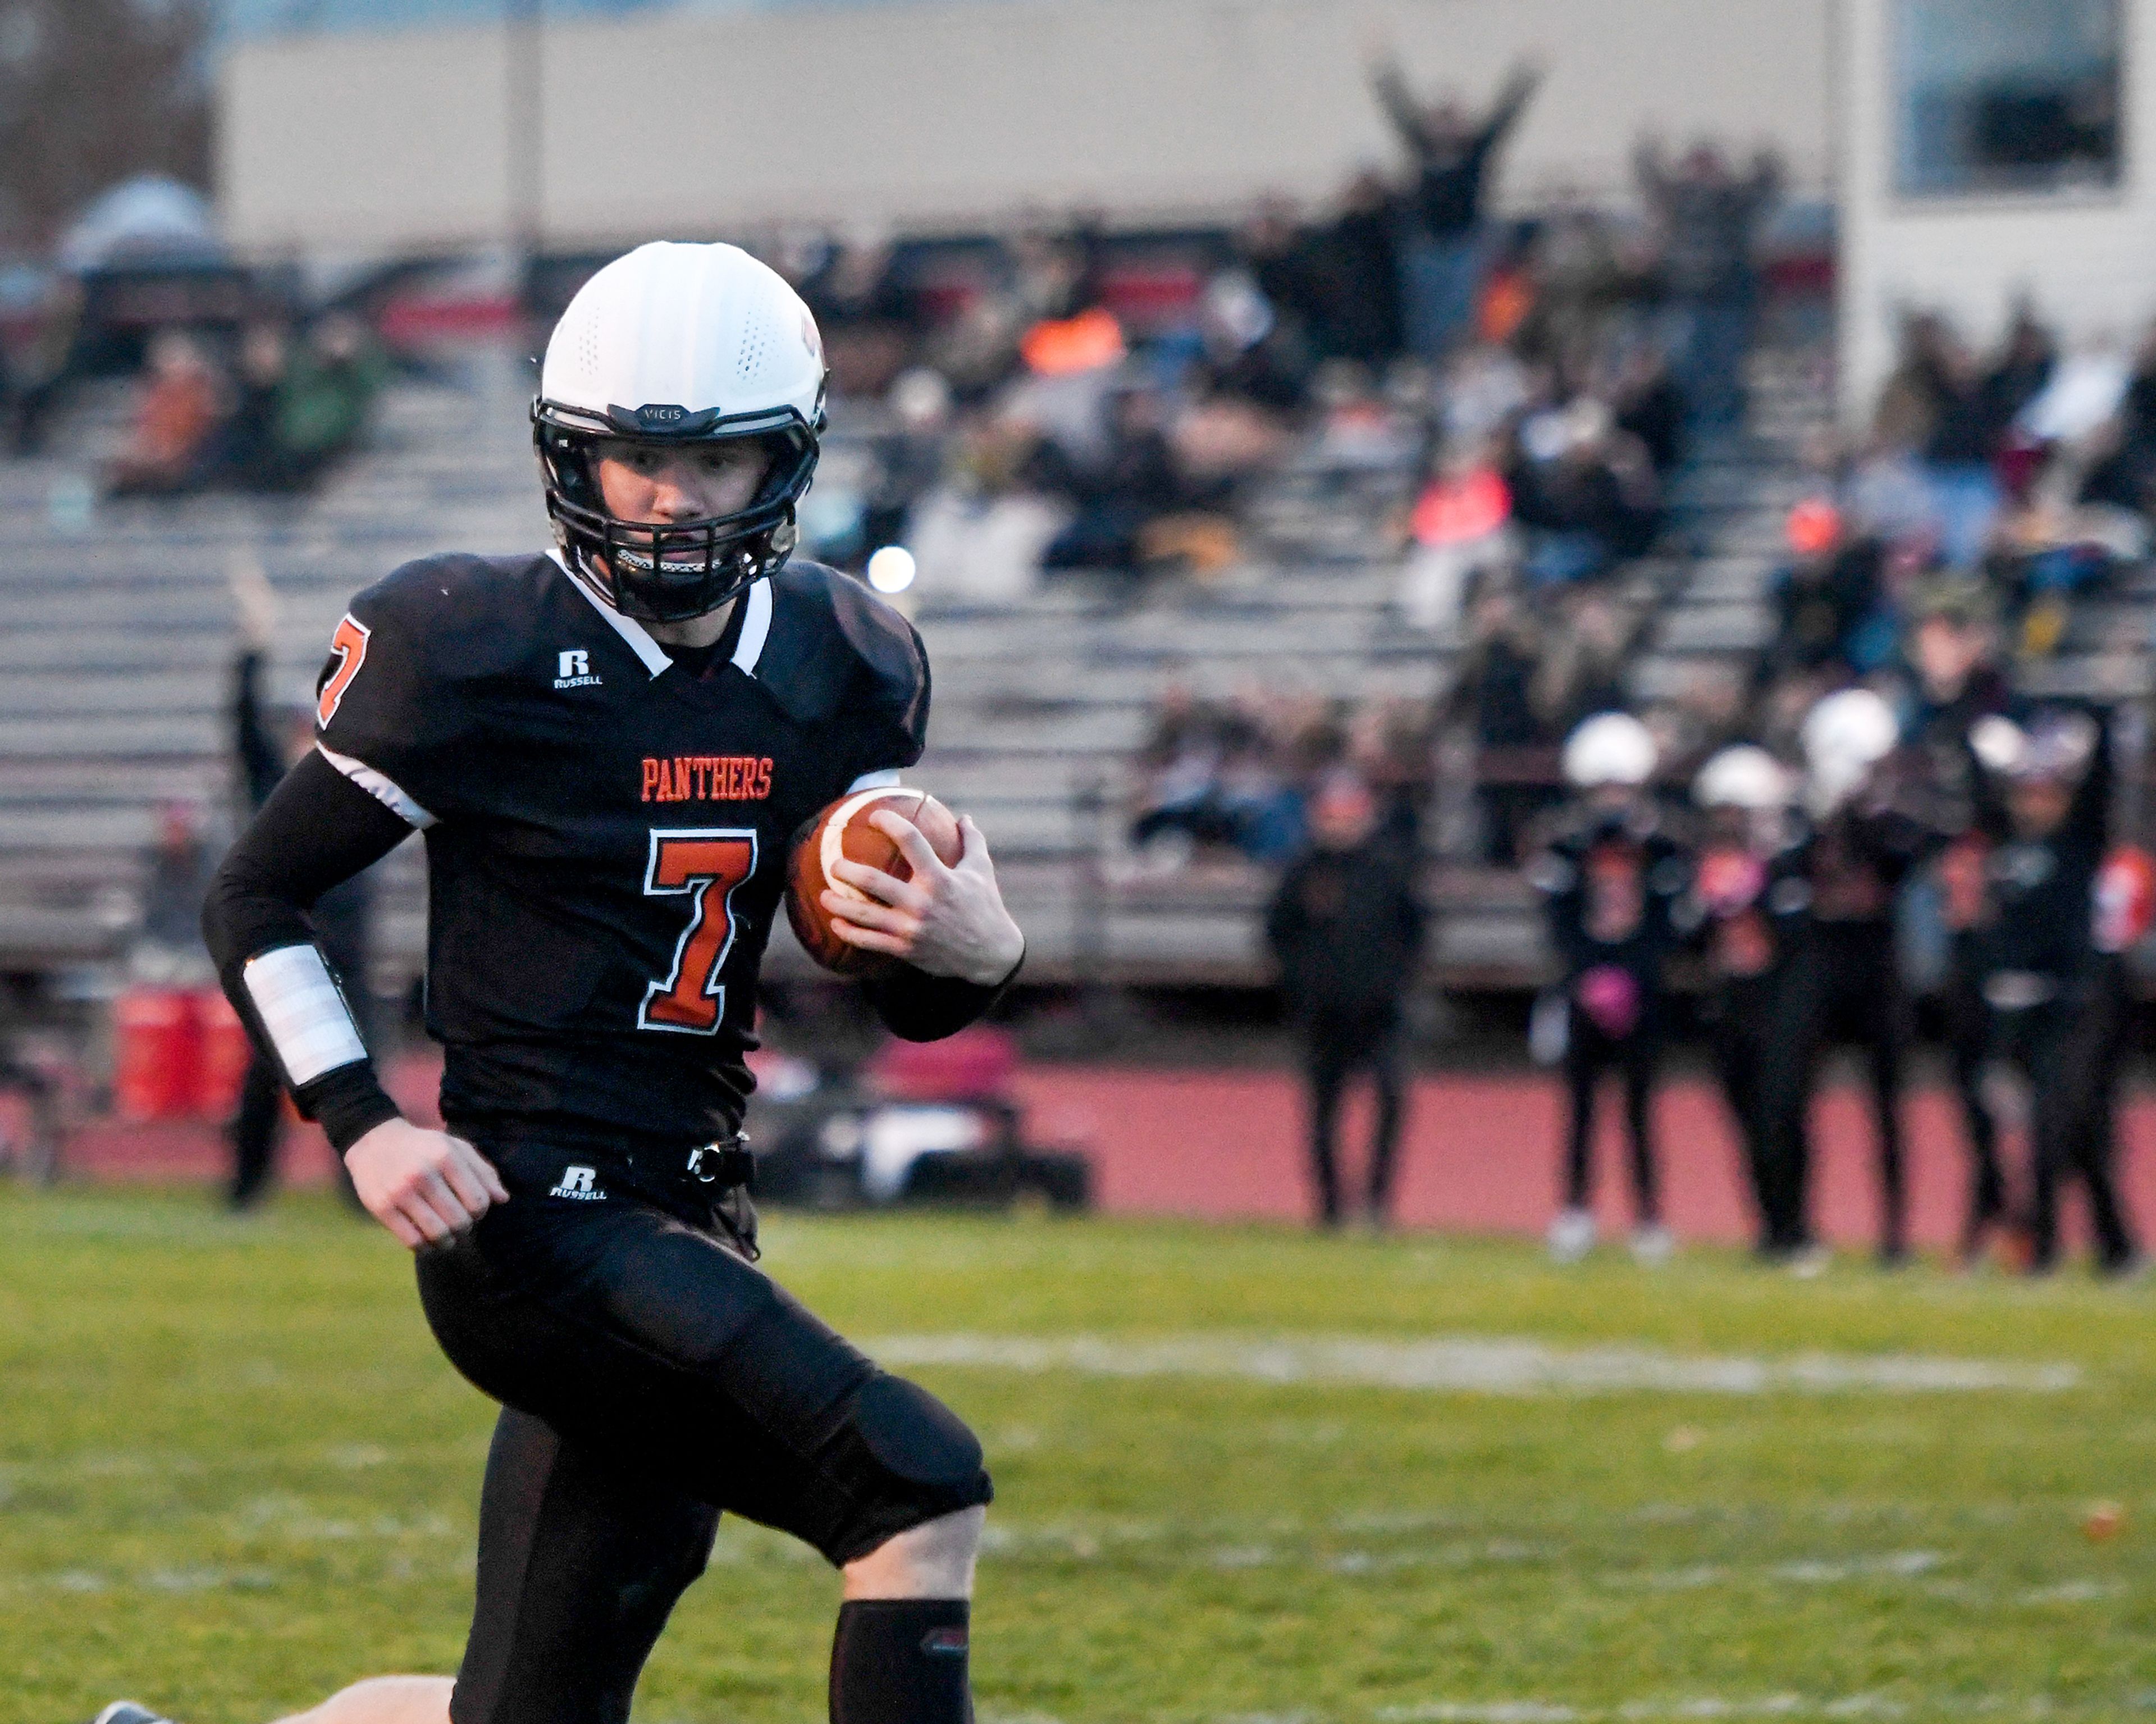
point(1742, 776)
point(1844, 736)
point(1609, 748)
point(674, 345)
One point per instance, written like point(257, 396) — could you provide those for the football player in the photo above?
point(1870, 824)
point(609, 748)
point(1739, 911)
point(1611, 879)
point(2047, 977)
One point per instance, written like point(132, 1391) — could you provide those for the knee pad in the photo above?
point(914, 1436)
point(903, 1460)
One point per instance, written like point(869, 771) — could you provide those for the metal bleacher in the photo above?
point(116, 638)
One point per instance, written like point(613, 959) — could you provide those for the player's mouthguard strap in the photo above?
point(303, 1012)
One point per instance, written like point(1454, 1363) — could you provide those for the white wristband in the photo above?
point(304, 1012)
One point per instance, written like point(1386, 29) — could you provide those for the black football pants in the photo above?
point(1589, 1053)
point(651, 1377)
point(1744, 1030)
point(1968, 1025)
point(1341, 1044)
point(1842, 985)
point(2069, 1052)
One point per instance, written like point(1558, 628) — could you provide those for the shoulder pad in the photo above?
point(829, 635)
point(461, 616)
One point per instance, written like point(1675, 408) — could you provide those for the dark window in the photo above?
point(2006, 96)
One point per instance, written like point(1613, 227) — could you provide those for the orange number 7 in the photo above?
point(348, 645)
point(690, 1000)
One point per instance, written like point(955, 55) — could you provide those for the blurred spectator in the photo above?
point(2123, 472)
point(1364, 254)
point(1491, 694)
point(1581, 664)
point(1936, 402)
point(1708, 217)
point(1392, 747)
point(1443, 247)
point(870, 323)
point(1346, 929)
point(249, 456)
point(1649, 404)
point(1587, 489)
point(2026, 359)
point(1827, 597)
point(323, 401)
point(168, 944)
point(1461, 530)
point(1480, 392)
point(980, 532)
point(265, 744)
point(1229, 777)
point(1247, 350)
point(1579, 284)
point(173, 424)
point(1288, 266)
point(1139, 482)
point(912, 454)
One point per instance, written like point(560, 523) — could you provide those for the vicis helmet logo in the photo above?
point(662, 418)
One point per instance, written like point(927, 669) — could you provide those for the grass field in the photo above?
point(1243, 1475)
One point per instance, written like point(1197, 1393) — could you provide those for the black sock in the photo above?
point(900, 1661)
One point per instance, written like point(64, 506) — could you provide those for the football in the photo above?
point(844, 828)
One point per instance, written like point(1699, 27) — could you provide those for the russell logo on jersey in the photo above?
point(574, 670)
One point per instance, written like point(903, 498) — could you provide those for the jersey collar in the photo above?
point(748, 650)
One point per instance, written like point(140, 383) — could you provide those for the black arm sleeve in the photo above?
point(317, 830)
point(916, 1006)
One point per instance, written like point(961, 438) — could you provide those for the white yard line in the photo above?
point(1474, 1364)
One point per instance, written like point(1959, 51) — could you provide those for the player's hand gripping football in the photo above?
point(946, 920)
point(425, 1186)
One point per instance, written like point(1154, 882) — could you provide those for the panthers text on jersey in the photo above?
point(608, 829)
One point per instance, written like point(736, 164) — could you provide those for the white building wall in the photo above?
point(2086, 259)
point(951, 114)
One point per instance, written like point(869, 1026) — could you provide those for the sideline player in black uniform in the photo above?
point(2054, 1012)
point(609, 749)
point(1739, 908)
point(1611, 880)
point(1843, 979)
point(1950, 648)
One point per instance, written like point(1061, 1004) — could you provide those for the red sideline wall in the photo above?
point(1479, 1152)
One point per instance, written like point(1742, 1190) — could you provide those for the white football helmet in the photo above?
point(679, 344)
point(1743, 776)
point(1844, 736)
point(1609, 748)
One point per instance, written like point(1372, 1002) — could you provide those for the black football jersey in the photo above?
point(608, 831)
